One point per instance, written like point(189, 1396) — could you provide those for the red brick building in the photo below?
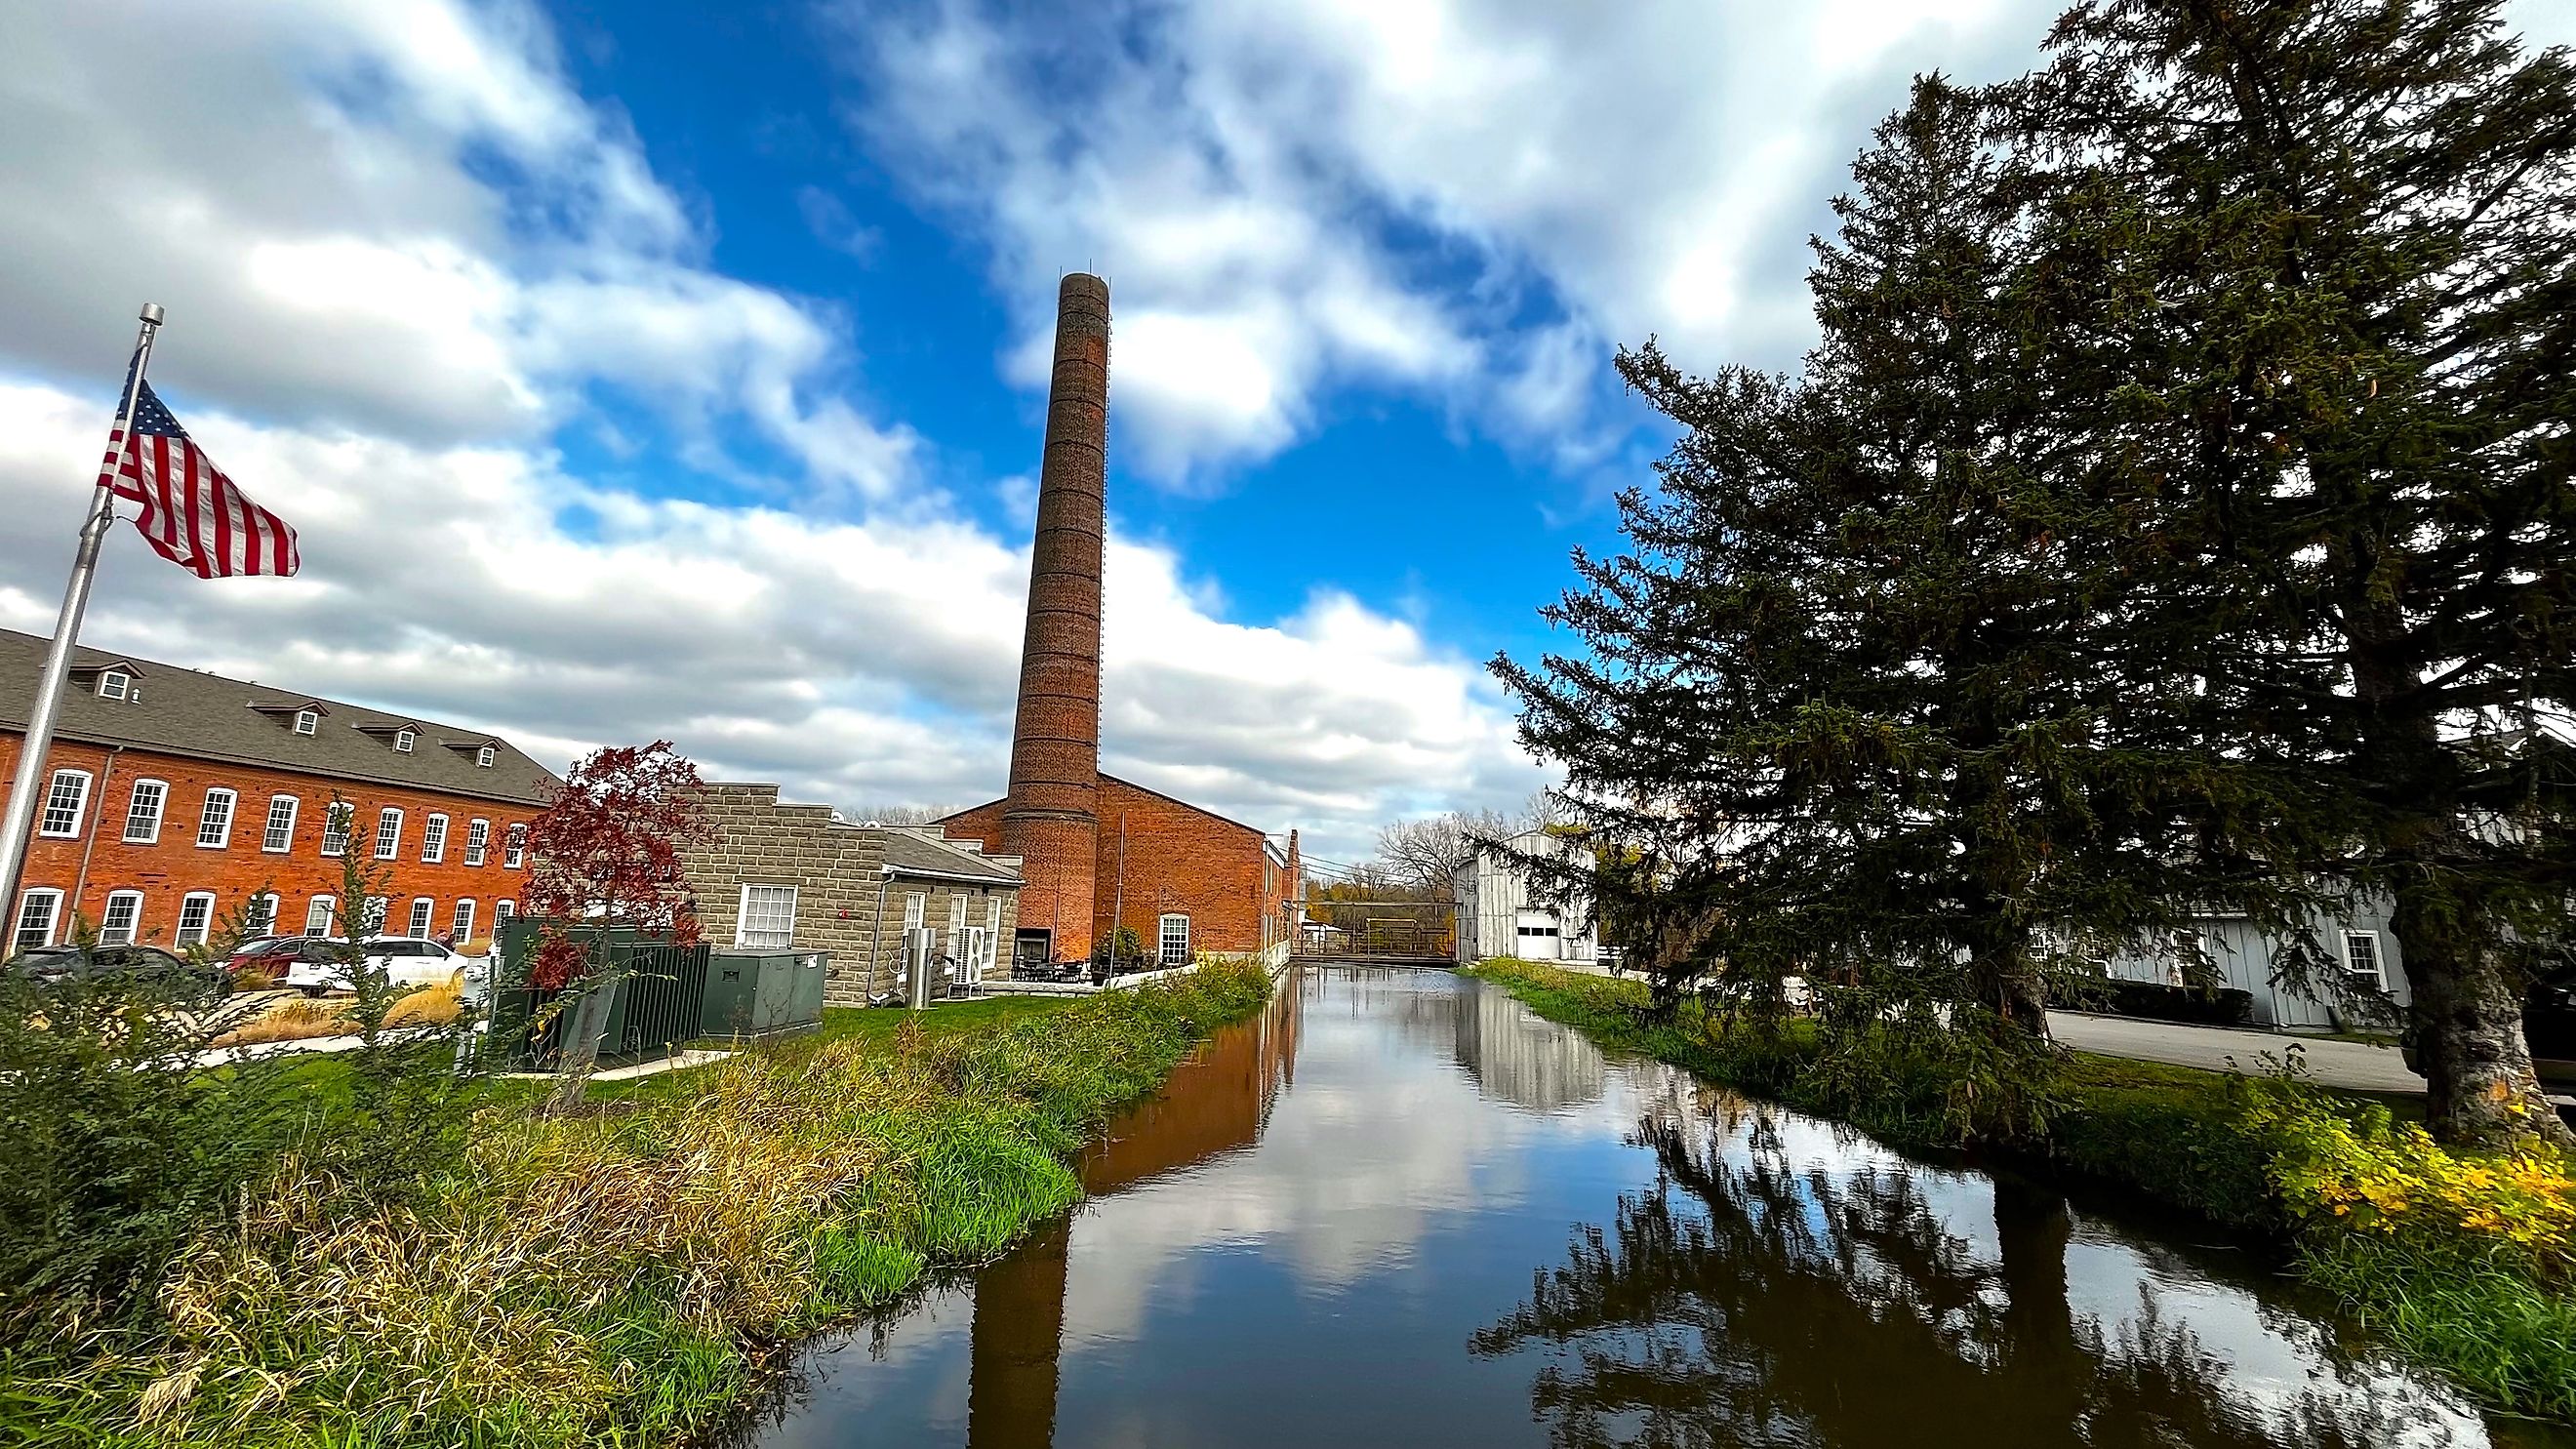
point(1095, 850)
point(174, 797)
point(1183, 879)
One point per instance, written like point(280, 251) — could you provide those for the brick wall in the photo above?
point(837, 870)
point(99, 861)
point(1178, 858)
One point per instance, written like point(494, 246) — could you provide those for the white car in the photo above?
point(405, 960)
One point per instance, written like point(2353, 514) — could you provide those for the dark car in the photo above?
point(52, 965)
point(273, 954)
point(2548, 1025)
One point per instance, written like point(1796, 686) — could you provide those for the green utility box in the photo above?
point(763, 993)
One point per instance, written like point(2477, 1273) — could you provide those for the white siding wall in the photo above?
point(2243, 957)
point(1494, 894)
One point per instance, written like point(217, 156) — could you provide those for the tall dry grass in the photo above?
point(618, 1279)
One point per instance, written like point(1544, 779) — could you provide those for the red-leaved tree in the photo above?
point(606, 850)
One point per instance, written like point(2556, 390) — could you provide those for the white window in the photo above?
point(956, 914)
point(373, 912)
point(63, 801)
point(196, 915)
point(318, 917)
point(483, 757)
point(478, 840)
point(461, 925)
point(404, 740)
point(306, 721)
point(124, 912)
point(388, 833)
point(2361, 958)
point(992, 932)
point(503, 910)
point(515, 853)
point(280, 832)
point(433, 839)
point(768, 920)
point(215, 822)
point(259, 916)
point(1173, 933)
point(37, 911)
point(111, 685)
point(422, 910)
point(143, 811)
point(914, 905)
point(335, 827)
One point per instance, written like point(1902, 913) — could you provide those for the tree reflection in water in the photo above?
point(1745, 1302)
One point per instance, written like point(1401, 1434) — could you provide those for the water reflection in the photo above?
point(1324, 1232)
point(1748, 1299)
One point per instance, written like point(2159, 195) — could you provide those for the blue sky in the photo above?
point(639, 370)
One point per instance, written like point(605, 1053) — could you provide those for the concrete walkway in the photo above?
point(2350, 1065)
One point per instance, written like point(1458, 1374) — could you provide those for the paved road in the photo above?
point(2352, 1065)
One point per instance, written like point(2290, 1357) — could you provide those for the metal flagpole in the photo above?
point(26, 792)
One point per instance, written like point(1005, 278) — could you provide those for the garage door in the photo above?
point(1538, 937)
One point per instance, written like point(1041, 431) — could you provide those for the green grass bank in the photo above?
point(2461, 1262)
point(622, 1276)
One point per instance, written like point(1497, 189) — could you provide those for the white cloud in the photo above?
point(1293, 195)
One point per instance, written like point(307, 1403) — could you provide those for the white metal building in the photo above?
point(2359, 940)
point(1497, 915)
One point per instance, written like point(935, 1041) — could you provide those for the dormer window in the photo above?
point(306, 721)
point(404, 740)
point(113, 683)
point(483, 757)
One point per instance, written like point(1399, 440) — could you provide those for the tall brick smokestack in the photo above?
point(1051, 819)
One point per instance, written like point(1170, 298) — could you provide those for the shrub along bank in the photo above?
point(615, 1277)
point(2464, 1262)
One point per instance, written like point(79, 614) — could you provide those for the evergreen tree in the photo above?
point(1859, 695)
point(2324, 245)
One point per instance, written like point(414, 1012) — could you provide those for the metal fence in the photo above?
point(656, 995)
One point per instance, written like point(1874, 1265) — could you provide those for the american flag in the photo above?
point(192, 514)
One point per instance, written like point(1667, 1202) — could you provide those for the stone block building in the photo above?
point(781, 876)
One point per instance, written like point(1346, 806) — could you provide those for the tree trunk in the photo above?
point(2468, 1033)
point(2004, 974)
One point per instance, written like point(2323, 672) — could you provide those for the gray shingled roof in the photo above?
point(907, 852)
point(189, 712)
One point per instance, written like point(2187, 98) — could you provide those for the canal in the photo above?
point(1399, 1209)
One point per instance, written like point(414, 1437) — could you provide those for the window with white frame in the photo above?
point(143, 811)
point(433, 839)
point(116, 923)
point(65, 796)
point(423, 910)
point(404, 740)
point(336, 820)
point(483, 757)
point(478, 840)
point(992, 932)
point(215, 822)
point(373, 912)
point(306, 721)
point(515, 852)
point(503, 910)
point(768, 919)
point(259, 916)
point(196, 918)
point(915, 905)
point(388, 833)
point(1172, 933)
point(2361, 958)
point(279, 833)
point(461, 925)
point(956, 913)
point(38, 910)
point(111, 685)
point(319, 916)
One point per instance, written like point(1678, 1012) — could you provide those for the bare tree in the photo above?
point(1423, 852)
point(899, 814)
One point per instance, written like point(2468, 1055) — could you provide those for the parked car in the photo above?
point(405, 960)
point(2548, 1026)
point(53, 965)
